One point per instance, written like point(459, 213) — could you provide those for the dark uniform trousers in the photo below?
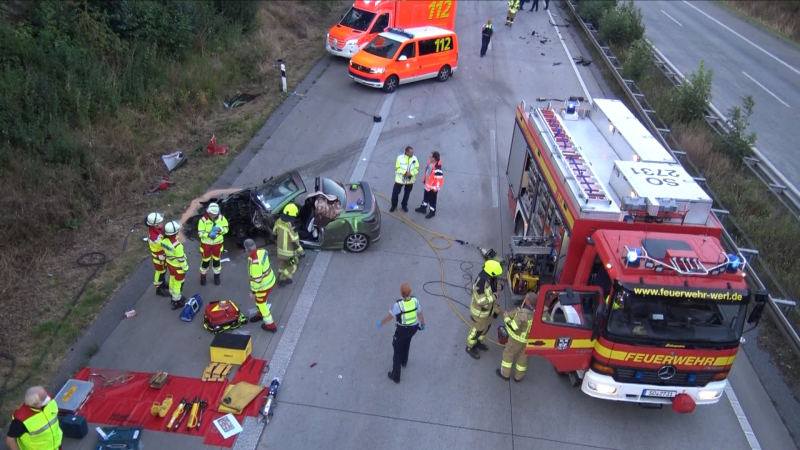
point(401, 344)
point(485, 44)
point(406, 188)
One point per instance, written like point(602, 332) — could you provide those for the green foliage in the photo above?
point(640, 58)
point(621, 26)
point(691, 98)
point(738, 142)
point(593, 10)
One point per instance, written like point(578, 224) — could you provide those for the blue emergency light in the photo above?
point(633, 257)
point(733, 263)
point(571, 107)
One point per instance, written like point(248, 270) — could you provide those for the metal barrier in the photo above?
point(763, 169)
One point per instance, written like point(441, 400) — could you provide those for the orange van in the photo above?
point(397, 57)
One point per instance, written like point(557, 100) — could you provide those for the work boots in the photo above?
point(202, 279)
point(162, 291)
point(216, 279)
point(473, 352)
point(430, 214)
point(481, 346)
point(178, 303)
point(421, 209)
point(271, 327)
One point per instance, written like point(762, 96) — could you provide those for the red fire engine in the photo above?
point(637, 299)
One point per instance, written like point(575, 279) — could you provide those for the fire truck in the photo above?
point(636, 298)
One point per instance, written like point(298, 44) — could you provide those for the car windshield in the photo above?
point(331, 187)
point(358, 19)
point(276, 190)
point(383, 47)
point(675, 319)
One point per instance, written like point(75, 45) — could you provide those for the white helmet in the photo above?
point(172, 228)
point(213, 208)
point(154, 219)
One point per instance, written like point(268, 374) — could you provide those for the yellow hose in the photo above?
point(434, 235)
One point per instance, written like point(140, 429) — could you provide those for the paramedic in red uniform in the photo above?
point(34, 425)
point(212, 228)
point(433, 177)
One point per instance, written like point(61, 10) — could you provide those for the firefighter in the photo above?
point(486, 36)
point(262, 280)
point(176, 262)
point(513, 7)
point(408, 315)
point(34, 425)
point(518, 325)
point(155, 230)
point(289, 248)
point(433, 177)
point(483, 307)
point(212, 228)
point(406, 167)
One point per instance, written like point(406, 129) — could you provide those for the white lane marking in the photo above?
point(249, 438)
point(743, 422)
point(571, 61)
point(673, 19)
point(764, 88)
point(495, 200)
point(788, 66)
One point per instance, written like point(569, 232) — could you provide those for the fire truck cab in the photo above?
point(636, 298)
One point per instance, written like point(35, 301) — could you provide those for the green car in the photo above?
point(252, 212)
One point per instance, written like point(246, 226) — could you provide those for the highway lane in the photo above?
point(745, 60)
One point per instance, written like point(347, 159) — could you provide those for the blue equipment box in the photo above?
point(193, 305)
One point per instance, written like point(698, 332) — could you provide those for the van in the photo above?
point(398, 57)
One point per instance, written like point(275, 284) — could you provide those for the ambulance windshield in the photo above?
point(383, 46)
point(664, 318)
point(358, 19)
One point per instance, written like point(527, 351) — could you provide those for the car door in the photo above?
point(406, 64)
point(433, 54)
point(561, 331)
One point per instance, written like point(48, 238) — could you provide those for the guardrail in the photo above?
point(763, 169)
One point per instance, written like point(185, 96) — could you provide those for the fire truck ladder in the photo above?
point(590, 188)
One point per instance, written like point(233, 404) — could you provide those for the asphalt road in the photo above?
point(745, 59)
point(328, 352)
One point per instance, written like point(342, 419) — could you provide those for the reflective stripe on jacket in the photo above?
point(408, 311)
point(513, 5)
point(261, 275)
point(518, 324)
point(405, 163)
point(44, 432)
point(154, 241)
point(173, 249)
point(433, 180)
point(483, 303)
point(288, 240)
point(207, 224)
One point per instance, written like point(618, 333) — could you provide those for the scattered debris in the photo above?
point(534, 33)
point(313, 364)
point(542, 54)
point(130, 313)
point(161, 185)
point(340, 377)
point(225, 260)
point(580, 60)
point(410, 117)
point(239, 99)
point(556, 63)
point(213, 149)
point(173, 160)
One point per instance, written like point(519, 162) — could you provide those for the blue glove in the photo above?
point(380, 325)
point(212, 235)
point(422, 327)
point(216, 229)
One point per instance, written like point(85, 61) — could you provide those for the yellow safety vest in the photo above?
point(405, 163)
point(261, 275)
point(205, 226)
point(44, 433)
point(408, 311)
point(483, 304)
point(286, 234)
point(521, 317)
point(174, 252)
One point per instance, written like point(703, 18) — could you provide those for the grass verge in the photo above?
point(779, 17)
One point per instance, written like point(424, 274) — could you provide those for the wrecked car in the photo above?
point(333, 216)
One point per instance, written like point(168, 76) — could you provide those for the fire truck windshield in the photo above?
point(674, 320)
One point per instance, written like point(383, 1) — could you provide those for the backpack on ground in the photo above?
point(223, 315)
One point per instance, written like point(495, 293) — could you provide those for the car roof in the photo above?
point(418, 33)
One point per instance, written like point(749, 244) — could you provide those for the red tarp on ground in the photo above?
point(129, 403)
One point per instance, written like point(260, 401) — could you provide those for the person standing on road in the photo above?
point(34, 425)
point(176, 263)
point(289, 248)
point(433, 177)
point(513, 7)
point(518, 325)
point(486, 36)
point(155, 231)
point(406, 167)
point(483, 307)
point(408, 315)
point(212, 228)
point(262, 280)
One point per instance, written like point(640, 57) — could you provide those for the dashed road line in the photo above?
point(765, 88)
point(673, 19)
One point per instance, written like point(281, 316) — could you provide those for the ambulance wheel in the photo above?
point(391, 84)
point(444, 73)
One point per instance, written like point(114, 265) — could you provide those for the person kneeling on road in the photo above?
point(289, 248)
point(408, 315)
point(518, 325)
point(262, 280)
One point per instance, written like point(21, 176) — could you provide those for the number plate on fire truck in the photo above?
point(655, 393)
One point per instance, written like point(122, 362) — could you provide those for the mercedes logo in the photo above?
point(667, 372)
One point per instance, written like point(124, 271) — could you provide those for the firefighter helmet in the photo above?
point(213, 208)
point(493, 267)
point(172, 228)
point(290, 210)
point(153, 219)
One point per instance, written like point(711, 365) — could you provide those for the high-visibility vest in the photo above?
point(173, 249)
point(482, 304)
point(207, 224)
point(44, 433)
point(154, 241)
point(433, 180)
point(405, 163)
point(408, 311)
point(488, 29)
point(286, 235)
point(261, 275)
point(518, 324)
point(513, 5)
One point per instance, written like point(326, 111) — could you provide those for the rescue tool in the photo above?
point(193, 419)
point(203, 405)
point(266, 410)
point(177, 415)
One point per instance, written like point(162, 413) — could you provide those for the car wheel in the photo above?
point(356, 242)
point(444, 73)
point(391, 84)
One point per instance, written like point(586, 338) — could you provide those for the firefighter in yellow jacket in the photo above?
point(176, 262)
point(518, 324)
point(484, 306)
point(155, 232)
point(289, 248)
point(262, 280)
point(513, 7)
point(212, 228)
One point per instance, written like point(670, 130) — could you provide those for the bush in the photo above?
point(692, 97)
point(640, 58)
point(593, 10)
point(738, 142)
point(621, 26)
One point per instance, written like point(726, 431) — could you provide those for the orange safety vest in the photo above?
point(433, 180)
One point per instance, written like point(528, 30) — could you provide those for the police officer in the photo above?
point(34, 425)
point(408, 315)
point(289, 248)
point(176, 262)
point(262, 280)
point(212, 228)
point(486, 36)
point(513, 7)
point(518, 323)
point(483, 307)
point(155, 232)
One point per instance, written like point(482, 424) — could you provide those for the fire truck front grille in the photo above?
point(681, 378)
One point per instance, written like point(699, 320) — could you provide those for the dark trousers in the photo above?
point(535, 5)
point(484, 44)
point(406, 188)
point(401, 344)
point(429, 199)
